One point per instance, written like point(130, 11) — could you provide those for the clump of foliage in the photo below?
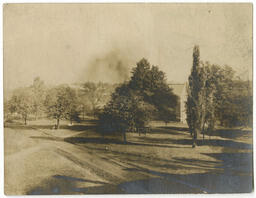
point(38, 90)
point(133, 103)
point(235, 108)
point(21, 103)
point(94, 96)
point(61, 103)
point(216, 95)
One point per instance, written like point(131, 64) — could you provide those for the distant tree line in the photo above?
point(71, 103)
point(216, 96)
point(119, 107)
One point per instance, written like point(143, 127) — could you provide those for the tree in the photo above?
point(151, 84)
point(167, 115)
point(195, 106)
point(207, 97)
point(72, 108)
point(215, 94)
point(125, 111)
point(228, 99)
point(8, 109)
point(97, 94)
point(134, 103)
point(21, 102)
point(38, 93)
point(60, 103)
point(236, 107)
point(83, 103)
point(116, 115)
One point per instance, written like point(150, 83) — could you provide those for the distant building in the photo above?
point(180, 91)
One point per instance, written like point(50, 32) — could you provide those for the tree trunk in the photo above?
point(25, 120)
point(191, 132)
point(203, 130)
point(195, 138)
point(83, 113)
point(124, 135)
point(94, 112)
point(58, 123)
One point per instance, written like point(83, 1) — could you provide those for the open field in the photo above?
point(77, 160)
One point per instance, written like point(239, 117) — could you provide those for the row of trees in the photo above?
point(59, 102)
point(127, 106)
point(26, 101)
point(144, 97)
point(216, 95)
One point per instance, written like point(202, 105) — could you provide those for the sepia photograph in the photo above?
point(128, 98)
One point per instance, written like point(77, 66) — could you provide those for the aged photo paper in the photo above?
point(127, 98)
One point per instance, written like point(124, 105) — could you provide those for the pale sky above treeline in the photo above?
point(67, 43)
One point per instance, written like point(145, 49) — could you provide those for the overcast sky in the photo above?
point(68, 43)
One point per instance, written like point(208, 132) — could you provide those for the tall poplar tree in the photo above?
point(194, 104)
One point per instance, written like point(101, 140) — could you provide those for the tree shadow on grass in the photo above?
point(238, 163)
point(79, 127)
point(231, 133)
point(197, 162)
point(165, 183)
point(159, 183)
point(163, 130)
point(232, 173)
point(65, 185)
point(184, 129)
point(51, 138)
point(211, 142)
point(136, 159)
point(224, 133)
point(98, 140)
point(189, 183)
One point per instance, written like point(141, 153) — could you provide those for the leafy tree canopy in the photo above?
point(61, 103)
point(134, 103)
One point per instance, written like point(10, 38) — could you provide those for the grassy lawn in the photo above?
point(161, 161)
